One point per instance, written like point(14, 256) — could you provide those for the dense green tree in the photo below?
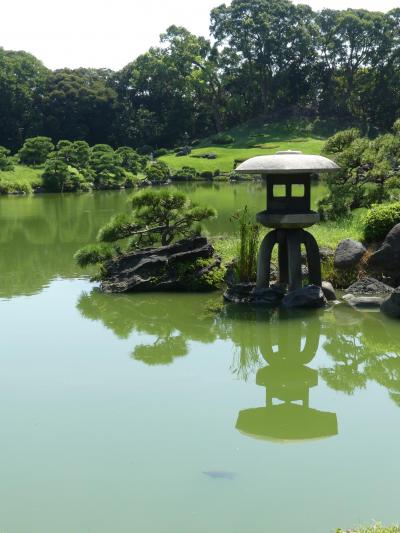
point(5, 161)
point(58, 176)
point(106, 167)
point(268, 57)
point(78, 104)
point(35, 150)
point(22, 79)
point(272, 41)
point(75, 153)
point(158, 172)
point(131, 160)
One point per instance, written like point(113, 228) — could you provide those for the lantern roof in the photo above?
point(287, 162)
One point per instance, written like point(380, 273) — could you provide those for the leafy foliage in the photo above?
point(380, 220)
point(341, 140)
point(370, 173)
point(94, 253)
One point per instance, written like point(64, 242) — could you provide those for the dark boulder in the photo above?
point(246, 293)
point(348, 254)
point(310, 296)
point(369, 287)
point(187, 265)
point(324, 254)
point(387, 257)
point(391, 306)
point(239, 293)
point(185, 150)
point(272, 296)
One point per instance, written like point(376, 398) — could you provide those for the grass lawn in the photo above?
point(251, 139)
point(22, 178)
point(328, 234)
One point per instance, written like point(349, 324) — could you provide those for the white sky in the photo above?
point(104, 33)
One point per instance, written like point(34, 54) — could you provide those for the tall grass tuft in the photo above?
point(248, 244)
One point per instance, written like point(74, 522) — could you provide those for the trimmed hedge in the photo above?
point(379, 220)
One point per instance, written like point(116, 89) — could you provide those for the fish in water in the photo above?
point(219, 474)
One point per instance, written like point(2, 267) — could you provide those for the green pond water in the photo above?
point(149, 413)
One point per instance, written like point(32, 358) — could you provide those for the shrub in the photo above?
point(158, 172)
point(249, 235)
point(217, 172)
point(130, 160)
point(160, 152)
point(341, 140)
point(380, 220)
point(106, 167)
point(60, 177)
point(185, 173)
point(94, 253)
point(222, 138)
point(35, 150)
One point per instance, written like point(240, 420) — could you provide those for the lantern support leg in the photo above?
point(313, 259)
point(283, 258)
point(294, 240)
point(264, 260)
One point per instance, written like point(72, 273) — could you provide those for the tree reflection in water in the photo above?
point(363, 346)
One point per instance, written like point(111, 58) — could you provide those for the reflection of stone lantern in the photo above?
point(288, 179)
point(287, 381)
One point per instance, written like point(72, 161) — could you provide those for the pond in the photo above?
point(152, 413)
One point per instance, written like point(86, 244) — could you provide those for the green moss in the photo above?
point(187, 271)
point(340, 279)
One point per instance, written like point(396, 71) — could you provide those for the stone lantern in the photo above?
point(288, 180)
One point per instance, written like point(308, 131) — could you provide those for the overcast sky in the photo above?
point(104, 33)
